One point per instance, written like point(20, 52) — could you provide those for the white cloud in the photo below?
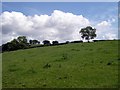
point(105, 30)
point(104, 24)
point(110, 36)
point(59, 26)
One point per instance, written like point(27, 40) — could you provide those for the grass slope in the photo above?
point(81, 65)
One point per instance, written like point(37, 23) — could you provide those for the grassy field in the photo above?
point(80, 65)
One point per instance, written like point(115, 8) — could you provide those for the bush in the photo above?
point(55, 42)
point(46, 42)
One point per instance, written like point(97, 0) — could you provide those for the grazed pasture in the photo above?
point(80, 65)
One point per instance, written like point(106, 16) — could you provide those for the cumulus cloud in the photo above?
point(105, 30)
point(110, 36)
point(104, 24)
point(59, 26)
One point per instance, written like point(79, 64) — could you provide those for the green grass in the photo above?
point(81, 65)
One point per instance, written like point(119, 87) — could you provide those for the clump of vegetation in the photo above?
point(65, 77)
point(47, 65)
point(44, 84)
point(64, 56)
point(23, 85)
point(24, 60)
point(101, 61)
point(12, 70)
point(109, 63)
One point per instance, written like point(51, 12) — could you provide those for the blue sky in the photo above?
point(97, 13)
point(91, 10)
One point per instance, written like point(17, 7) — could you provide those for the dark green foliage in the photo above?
point(47, 65)
point(22, 39)
point(31, 41)
point(65, 77)
point(109, 63)
point(88, 33)
point(24, 60)
point(15, 44)
point(46, 42)
point(76, 42)
point(44, 85)
point(55, 43)
point(23, 85)
point(34, 42)
point(67, 42)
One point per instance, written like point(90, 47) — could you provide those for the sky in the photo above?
point(59, 21)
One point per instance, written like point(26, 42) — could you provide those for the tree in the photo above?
point(46, 42)
point(22, 39)
point(31, 41)
point(67, 42)
point(34, 42)
point(38, 42)
point(88, 33)
point(15, 44)
point(22, 42)
point(14, 41)
point(6, 47)
point(55, 42)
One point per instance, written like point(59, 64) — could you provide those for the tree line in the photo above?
point(22, 43)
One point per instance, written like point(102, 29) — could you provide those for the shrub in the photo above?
point(47, 65)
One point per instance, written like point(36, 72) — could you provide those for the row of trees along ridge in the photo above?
point(22, 43)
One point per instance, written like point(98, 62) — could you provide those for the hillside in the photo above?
point(80, 65)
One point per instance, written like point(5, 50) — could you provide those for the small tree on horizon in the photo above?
point(46, 42)
point(55, 42)
point(34, 42)
point(88, 33)
point(22, 39)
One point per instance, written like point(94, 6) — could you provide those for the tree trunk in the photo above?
point(88, 40)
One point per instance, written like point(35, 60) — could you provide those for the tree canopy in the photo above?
point(88, 33)
point(34, 42)
point(15, 44)
point(55, 42)
point(46, 42)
